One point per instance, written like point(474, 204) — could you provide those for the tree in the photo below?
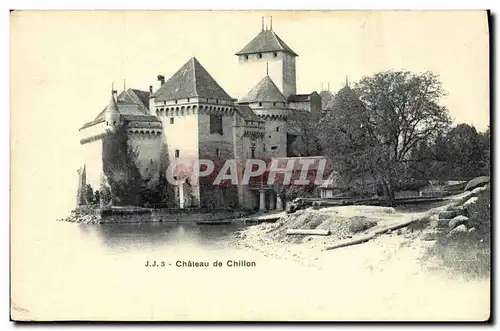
point(380, 123)
point(347, 146)
point(402, 110)
point(304, 126)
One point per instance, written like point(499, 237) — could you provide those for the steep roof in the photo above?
point(265, 90)
point(130, 104)
point(247, 113)
point(266, 41)
point(191, 80)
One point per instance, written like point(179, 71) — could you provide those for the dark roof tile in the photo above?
point(265, 90)
point(266, 41)
point(190, 81)
point(247, 113)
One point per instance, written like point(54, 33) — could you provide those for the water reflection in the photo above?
point(127, 236)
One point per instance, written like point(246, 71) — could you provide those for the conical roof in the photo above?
point(190, 81)
point(266, 41)
point(112, 106)
point(265, 90)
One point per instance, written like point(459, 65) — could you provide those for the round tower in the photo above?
point(112, 116)
point(267, 101)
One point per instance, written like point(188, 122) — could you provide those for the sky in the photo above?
point(64, 63)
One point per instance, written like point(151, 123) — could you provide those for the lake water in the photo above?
point(68, 271)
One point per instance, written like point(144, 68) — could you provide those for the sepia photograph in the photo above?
point(253, 166)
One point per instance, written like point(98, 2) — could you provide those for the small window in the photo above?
point(216, 100)
point(171, 120)
point(277, 129)
point(177, 153)
point(114, 123)
point(260, 104)
point(260, 56)
point(175, 101)
point(252, 152)
point(216, 124)
point(246, 57)
point(164, 102)
point(274, 104)
point(106, 123)
point(217, 153)
point(188, 99)
point(275, 54)
point(274, 148)
point(264, 147)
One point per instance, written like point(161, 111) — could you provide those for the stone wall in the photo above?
point(148, 156)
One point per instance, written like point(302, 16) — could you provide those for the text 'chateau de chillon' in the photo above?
point(129, 145)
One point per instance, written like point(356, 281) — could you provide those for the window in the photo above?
point(175, 101)
point(217, 154)
point(260, 56)
point(275, 54)
point(171, 120)
point(216, 124)
point(246, 57)
point(277, 129)
point(188, 99)
point(274, 148)
point(216, 100)
point(177, 153)
point(252, 151)
point(260, 104)
point(274, 104)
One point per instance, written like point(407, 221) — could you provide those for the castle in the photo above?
point(191, 117)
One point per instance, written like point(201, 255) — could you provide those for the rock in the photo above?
point(442, 223)
point(478, 190)
point(477, 182)
point(459, 229)
point(447, 214)
point(469, 202)
point(456, 221)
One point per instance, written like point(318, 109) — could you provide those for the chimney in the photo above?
point(150, 89)
point(262, 23)
point(161, 79)
point(270, 22)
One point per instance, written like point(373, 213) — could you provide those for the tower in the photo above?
point(112, 116)
point(267, 48)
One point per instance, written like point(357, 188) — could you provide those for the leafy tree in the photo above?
point(375, 127)
point(304, 124)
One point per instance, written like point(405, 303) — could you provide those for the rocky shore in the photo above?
point(386, 230)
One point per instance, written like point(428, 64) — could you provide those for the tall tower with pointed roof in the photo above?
point(268, 49)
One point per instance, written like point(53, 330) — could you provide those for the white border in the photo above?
point(186, 4)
